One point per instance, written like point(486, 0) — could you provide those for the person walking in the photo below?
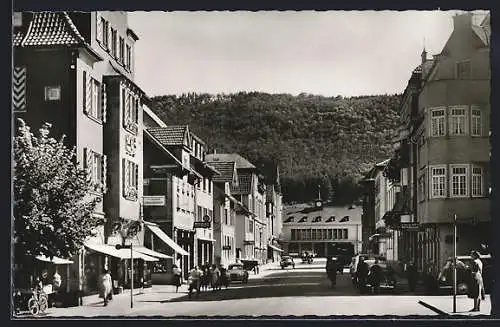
point(331, 270)
point(375, 277)
point(176, 271)
point(411, 275)
point(477, 286)
point(106, 287)
point(215, 277)
point(194, 281)
point(362, 274)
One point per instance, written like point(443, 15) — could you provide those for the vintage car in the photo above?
point(236, 273)
point(369, 259)
point(445, 278)
point(287, 261)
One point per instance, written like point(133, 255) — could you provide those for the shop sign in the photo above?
point(154, 200)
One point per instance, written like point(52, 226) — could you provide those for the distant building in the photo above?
point(321, 230)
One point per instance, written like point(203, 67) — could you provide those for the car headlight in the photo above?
point(443, 279)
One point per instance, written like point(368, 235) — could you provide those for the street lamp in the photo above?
point(455, 263)
point(118, 247)
point(128, 230)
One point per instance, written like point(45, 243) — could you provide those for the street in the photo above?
point(302, 291)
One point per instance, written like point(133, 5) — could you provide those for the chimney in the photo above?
point(462, 21)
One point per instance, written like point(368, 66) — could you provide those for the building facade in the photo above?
point(76, 70)
point(447, 142)
point(320, 231)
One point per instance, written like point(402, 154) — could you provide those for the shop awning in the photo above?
point(275, 248)
point(54, 260)
point(151, 253)
point(164, 237)
point(120, 254)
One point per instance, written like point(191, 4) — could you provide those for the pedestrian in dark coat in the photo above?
point(412, 276)
point(375, 277)
point(362, 274)
point(331, 270)
point(177, 277)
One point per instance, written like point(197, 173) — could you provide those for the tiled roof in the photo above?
point(50, 29)
point(244, 184)
point(226, 170)
point(17, 37)
point(170, 135)
point(241, 163)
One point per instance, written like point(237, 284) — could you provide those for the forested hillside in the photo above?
point(314, 139)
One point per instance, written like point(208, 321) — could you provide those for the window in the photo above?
point(463, 69)
point(459, 180)
point(324, 234)
point(344, 234)
point(330, 234)
point(95, 165)
point(52, 93)
point(477, 181)
point(475, 123)
point(121, 56)
point(130, 178)
point(128, 57)
point(130, 105)
point(457, 121)
point(437, 122)
point(105, 33)
point(226, 217)
point(313, 234)
point(294, 234)
point(438, 181)
point(114, 43)
point(250, 225)
point(199, 213)
point(93, 98)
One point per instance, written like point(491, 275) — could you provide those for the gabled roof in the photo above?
point(226, 169)
point(172, 135)
point(241, 163)
point(49, 29)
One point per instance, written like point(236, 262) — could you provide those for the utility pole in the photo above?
point(455, 263)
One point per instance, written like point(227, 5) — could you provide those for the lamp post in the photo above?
point(118, 247)
point(454, 263)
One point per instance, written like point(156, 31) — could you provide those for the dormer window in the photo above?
point(344, 219)
point(330, 219)
point(317, 219)
point(303, 220)
point(290, 219)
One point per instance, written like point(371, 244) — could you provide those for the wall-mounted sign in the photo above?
point(226, 247)
point(206, 218)
point(153, 200)
point(410, 226)
point(201, 224)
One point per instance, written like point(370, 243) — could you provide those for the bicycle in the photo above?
point(38, 302)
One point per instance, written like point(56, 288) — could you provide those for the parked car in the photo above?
point(445, 278)
point(287, 261)
point(236, 273)
point(369, 259)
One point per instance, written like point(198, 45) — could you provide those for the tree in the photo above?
point(52, 205)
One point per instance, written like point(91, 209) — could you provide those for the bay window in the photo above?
point(458, 120)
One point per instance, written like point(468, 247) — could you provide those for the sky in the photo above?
point(324, 53)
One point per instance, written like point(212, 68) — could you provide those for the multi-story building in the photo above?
point(225, 206)
point(321, 230)
point(273, 215)
point(203, 196)
point(250, 217)
point(447, 142)
point(76, 70)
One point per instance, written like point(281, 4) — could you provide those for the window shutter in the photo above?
point(88, 98)
point(99, 28)
point(104, 102)
point(87, 163)
point(124, 177)
point(136, 176)
point(104, 159)
point(19, 89)
point(84, 96)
